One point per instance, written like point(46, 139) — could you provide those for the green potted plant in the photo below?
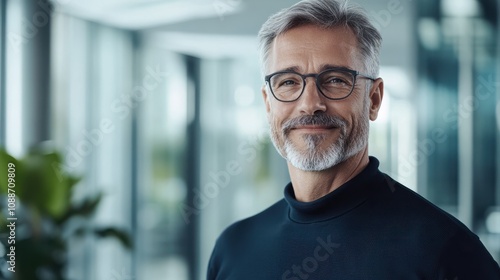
point(39, 215)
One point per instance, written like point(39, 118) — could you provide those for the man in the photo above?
point(341, 218)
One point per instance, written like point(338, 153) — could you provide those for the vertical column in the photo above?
point(466, 123)
point(498, 111)
point(3, 15)
point(192, 169)
point(36, 20)
point(134, 159)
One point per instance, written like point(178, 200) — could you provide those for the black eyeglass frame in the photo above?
point(354, 74)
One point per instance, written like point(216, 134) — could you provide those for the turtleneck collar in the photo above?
point(338, 202)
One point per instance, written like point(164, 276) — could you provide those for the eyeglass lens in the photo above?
point(332, 84)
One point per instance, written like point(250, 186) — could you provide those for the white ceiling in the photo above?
point(143, 14)
point(215, 28)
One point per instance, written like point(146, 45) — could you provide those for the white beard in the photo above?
point(313, 158)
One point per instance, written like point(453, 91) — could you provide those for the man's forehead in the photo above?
point(339, 36)
point(337, 43)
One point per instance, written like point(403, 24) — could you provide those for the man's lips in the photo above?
point(314, 127)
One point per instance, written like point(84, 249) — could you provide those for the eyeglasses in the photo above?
point(333, 83)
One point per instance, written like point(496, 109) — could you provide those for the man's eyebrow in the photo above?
point(330, 66)
point(291, 68)
point(323, 67)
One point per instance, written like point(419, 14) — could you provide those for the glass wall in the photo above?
point(164, 242)
point(92, 102)
point(458, 97)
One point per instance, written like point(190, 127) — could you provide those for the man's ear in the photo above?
point(266, 98)
point(376, 95)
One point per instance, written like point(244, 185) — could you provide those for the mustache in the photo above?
point(319, 119)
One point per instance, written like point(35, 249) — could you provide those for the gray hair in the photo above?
point(325, 14)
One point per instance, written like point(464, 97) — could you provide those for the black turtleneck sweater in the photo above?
point(369, 228)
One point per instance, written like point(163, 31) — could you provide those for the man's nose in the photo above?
point(311, 101)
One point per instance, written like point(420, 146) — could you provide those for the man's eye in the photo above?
point(335, 80)
point(288, 83)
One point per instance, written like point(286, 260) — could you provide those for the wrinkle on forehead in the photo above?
point(310, 47)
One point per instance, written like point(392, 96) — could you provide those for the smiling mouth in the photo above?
point(314, 128)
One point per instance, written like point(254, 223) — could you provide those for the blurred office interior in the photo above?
point(157, 104)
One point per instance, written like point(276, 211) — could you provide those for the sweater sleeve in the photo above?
point(465, 257)
point(212, 269)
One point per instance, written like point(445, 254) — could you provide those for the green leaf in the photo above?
point(121, 235)
point(45, 188)
point(85, 209)
point(72, 181)
point(7, 161)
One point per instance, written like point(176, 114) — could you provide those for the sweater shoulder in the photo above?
point(268, 217)
point(240, 235)
point(419, 209)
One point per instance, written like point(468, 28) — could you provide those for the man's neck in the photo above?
point(309, 186)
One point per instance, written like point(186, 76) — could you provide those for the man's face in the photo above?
point(315, 133)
